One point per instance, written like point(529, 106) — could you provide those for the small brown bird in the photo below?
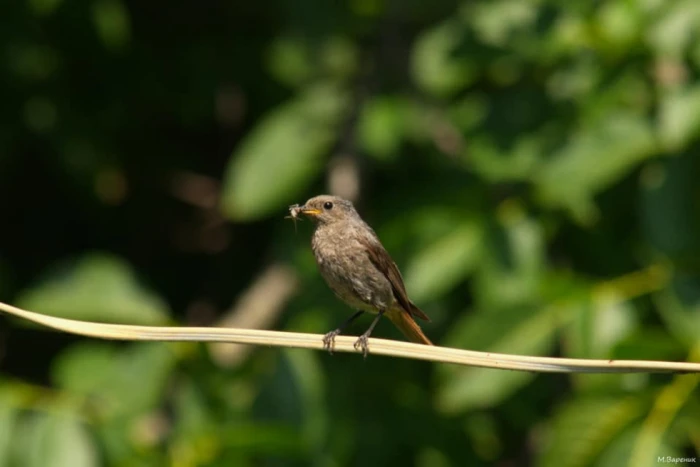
point(358, 269)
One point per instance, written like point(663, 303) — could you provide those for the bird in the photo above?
point(358, 269)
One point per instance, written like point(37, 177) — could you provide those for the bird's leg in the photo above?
point(361, 343)
point(329, 339)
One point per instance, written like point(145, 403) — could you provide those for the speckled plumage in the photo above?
point(346, 267)
point(357, 268)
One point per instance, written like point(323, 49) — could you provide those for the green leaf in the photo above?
point(598, 326)
point(672, 33)
point(657, 428)
point(339, 57)
point(513, 331)
point(282, 154)
point(622, 449)
point(294, 60)
point(194, 417)
point(268, 439)
point(435, 67)
point(583, 428)
point(195, 435)
point(112, 23)
point(620, 25)
point(496, 165)
point(289, 61)
point(498, 22)
point(126, 382)
point(682, 321)
point(679, 119)
point(56, 440)
point(594, 159)
point(306, 371)
point(97, 287)
point(8, 420)
point(470, 112)
point(445, 261)
point(382, 125)
point(511, 269)
point(670, 216)
point(649, 344)
point(86, 368)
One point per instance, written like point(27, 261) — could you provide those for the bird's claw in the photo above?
point(362, 345)
point(329, 341)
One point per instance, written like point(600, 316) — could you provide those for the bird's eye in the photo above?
point(327, 205)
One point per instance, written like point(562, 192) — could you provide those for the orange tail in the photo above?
point(407, 326)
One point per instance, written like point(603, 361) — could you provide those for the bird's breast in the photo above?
point(346, 267)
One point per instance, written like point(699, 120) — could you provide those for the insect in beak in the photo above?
point(294, 211)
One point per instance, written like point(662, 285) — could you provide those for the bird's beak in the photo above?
point(309, 211)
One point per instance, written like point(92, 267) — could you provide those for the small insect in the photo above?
point(294, 211)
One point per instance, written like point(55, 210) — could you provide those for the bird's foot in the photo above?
point(362, 344)
point(329, 341)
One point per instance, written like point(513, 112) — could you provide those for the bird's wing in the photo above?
point(382, 261)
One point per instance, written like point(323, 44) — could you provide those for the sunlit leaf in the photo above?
point(650, 344)
point(599, 325)
point(679, 120)
point(681, 320)
point(97, 287)
point(585, 427)
point(195, 434)
point(283, 153)
point(382, 125)
point(436, 66)
point(496, 166)
point(8, 420)
point(305, 368)
point(498, 21)
point(672, 32)
point(621, 448)
point(56, 440)
point(594, 159)
point(86, 368)
point(620, 24)
point(657, 426)
point(444, 262)
point(294, 61)
point(123, 382)
point(516, 331)
point(575, 82)
point(510, 273)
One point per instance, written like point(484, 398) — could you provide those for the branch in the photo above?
point(345, 344)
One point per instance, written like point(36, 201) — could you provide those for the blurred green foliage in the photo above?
point(530, 164)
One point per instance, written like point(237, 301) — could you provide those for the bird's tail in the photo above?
point(408, 326)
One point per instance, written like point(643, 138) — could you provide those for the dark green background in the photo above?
point(531, 166)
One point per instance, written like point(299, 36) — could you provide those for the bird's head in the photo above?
point(326, 209)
